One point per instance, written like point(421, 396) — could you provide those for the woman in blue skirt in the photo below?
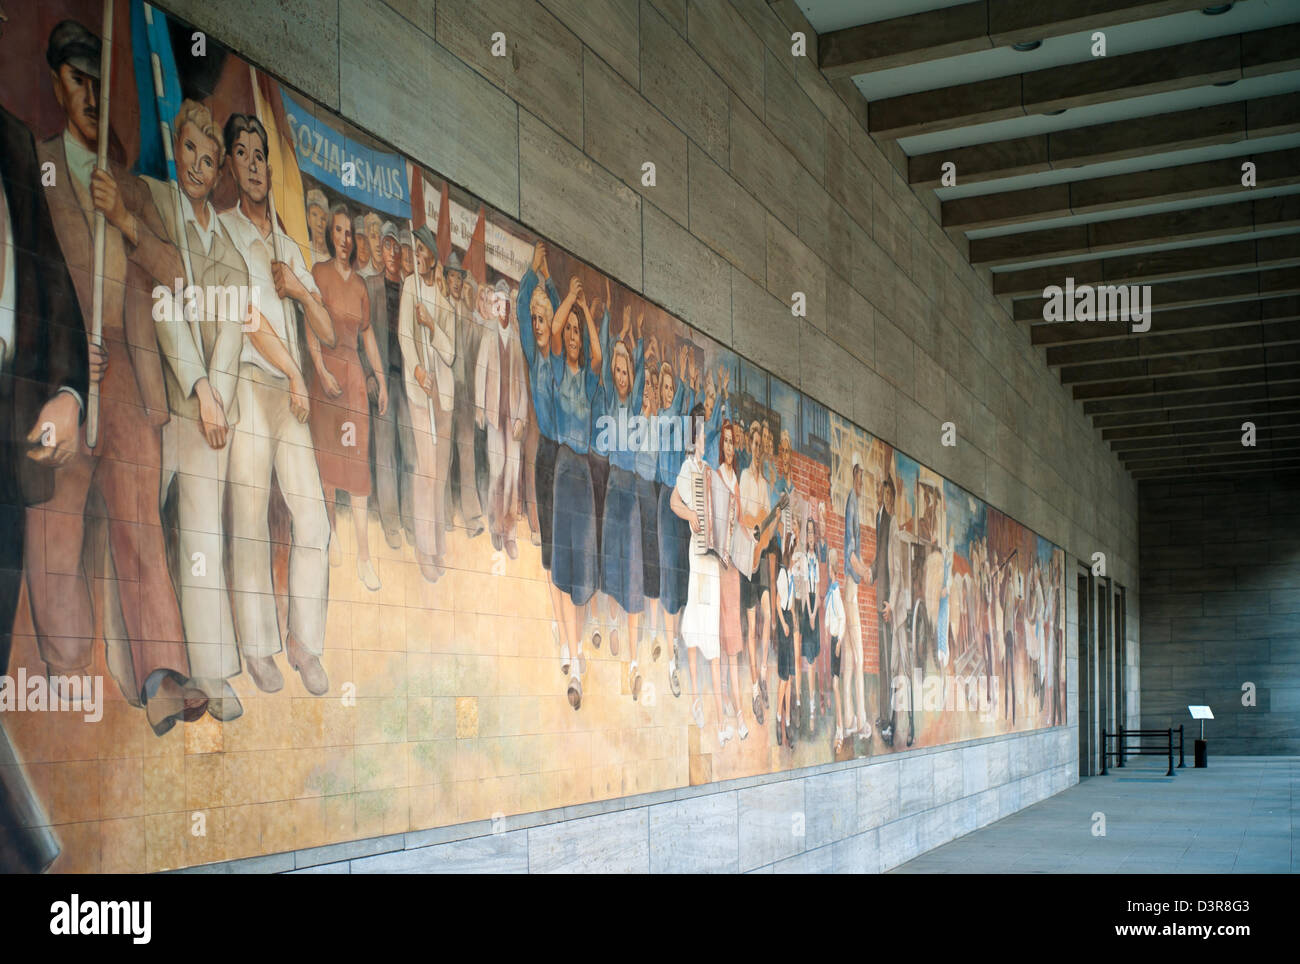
point(601, 616)
point(647, 490)
point(574, 561)
point(621, 387)
point(675, 400)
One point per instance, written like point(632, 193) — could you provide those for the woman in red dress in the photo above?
point(340, 412)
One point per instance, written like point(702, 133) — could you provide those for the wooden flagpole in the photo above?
point(182, 235)
point(425, 340)
point(290, 317)
point(101, 163)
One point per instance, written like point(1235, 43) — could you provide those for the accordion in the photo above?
point(721, 531)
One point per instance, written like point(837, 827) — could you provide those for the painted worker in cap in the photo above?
point(317, 212)
point(486, 325)
point(408, 253)
point(132, 411)
point(372, 228)
point(44, 380)
point(501, 409)
point(467, 341)
point(426, 329)
point(362, 244)
point(391, 430)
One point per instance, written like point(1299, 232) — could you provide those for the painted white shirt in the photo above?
point(784, 589)
point(754, 493)
point(81, 159)
point(206, 235)
point(258, 254)
point(442, 343)
point(835, 617)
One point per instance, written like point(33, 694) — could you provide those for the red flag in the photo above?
point(476, 256)
point(444, 225)
point(417, 198)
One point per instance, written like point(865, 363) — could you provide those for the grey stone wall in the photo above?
point(1221, 593)
point(767, 183)
point(861, 817)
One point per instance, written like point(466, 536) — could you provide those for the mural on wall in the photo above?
point(376, 511)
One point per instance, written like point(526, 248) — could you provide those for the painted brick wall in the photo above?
point(814, 480)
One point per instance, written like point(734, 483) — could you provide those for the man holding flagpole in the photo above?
point(202, 372)
point(393, 443)
point(468, 332)
point(428, 348)
point(45, 375)
point(272, 435)
point(133, 409)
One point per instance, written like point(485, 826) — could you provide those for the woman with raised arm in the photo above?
point(647, 486)
point(574, 562)
point(622, 575)
point(535, 308)
point(602, 618)
point(340, 413)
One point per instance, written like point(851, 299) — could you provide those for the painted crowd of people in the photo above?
point(388, 375)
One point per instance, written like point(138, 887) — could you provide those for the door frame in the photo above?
point(1086, 655)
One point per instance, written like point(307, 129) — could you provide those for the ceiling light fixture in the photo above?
point(1214, 9)
point(1055, 113)
point(1027, 45)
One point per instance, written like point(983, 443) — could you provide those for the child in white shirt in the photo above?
point(835, 621)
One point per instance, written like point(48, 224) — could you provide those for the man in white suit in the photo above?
point(201, 371)
point(427, 337)
point(272, 437)
point(501, 406)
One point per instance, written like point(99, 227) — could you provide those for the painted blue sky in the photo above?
point(967, 517)
point(908, 470)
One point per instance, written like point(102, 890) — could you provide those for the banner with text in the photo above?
point(373, 178)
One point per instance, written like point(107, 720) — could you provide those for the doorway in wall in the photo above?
point(1119, 692)
point(1105, 636)
point(1085, 599)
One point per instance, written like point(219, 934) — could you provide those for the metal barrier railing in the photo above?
point(1141, 749)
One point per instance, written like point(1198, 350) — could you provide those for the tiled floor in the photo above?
point(1241, 815)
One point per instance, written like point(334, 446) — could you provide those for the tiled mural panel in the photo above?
point(337, 504)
